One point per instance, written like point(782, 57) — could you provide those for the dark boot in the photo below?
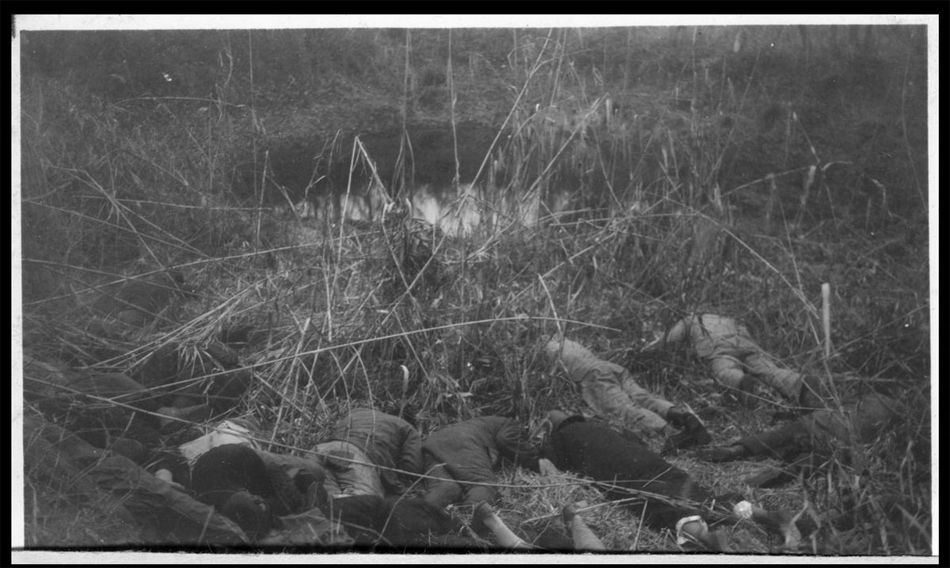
point(692, 431)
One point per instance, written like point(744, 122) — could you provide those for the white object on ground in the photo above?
point(227, 432)
point(780, 522)
point(547, 468)
point(690, 529)
point(583, 537)
point(743, 510)
point(503, 535)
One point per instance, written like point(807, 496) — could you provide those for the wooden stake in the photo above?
point(826, 317)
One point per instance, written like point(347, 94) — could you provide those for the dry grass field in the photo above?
point(622, 177)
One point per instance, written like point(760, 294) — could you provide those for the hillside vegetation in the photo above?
point(670, 170)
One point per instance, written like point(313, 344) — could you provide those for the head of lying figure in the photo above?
point(234, 479)
point(540, 435)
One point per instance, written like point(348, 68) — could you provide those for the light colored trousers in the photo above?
point(732, 354)
point(608, 388)
point(730, 370)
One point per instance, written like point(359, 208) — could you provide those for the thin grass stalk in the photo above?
point(530, 74)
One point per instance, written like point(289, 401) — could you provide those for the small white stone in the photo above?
point(743, 510)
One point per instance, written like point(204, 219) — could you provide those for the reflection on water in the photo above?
point(455, 213)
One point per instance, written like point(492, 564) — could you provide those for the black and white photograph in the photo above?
point(486, 288)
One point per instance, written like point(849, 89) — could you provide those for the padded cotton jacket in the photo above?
point(387, 440)
point(470, 450)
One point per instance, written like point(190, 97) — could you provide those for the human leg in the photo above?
point(441, 489)
point(786, 381)
point(476, 494)
point(693, 431)
point(603, 388)
point(352, 470)
point(607, 398)
point(504, 536)
point(642, 397)
point(728, 371)
point(581, 535)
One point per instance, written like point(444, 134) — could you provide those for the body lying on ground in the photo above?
point(611, 391)
point(81, 400)
point(659, 492)
point(460, 459)
point(254, 487)
point(370, 438)
point(208, 382)
point(112, 410)
point(263, 490)
point(814, 437)
point(734, 358)
point(624, 463)
point(157, 512)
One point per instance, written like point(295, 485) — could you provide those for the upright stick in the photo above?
point(826, 317)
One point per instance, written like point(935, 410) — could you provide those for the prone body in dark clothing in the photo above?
point(623, 463)
point(468, 452)
point(820, 433)
point(80, 400)
point(253, 487)
point(210, 376)
point(156, 512)
point(825, 430)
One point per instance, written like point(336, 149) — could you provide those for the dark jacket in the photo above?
point(813, 438)
point(153, 511)
point(62, 392)
point(213, 377)
point(387, 440)
point(281, 486)
point(859, 421)
point(623, 463)
point(470, 450)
